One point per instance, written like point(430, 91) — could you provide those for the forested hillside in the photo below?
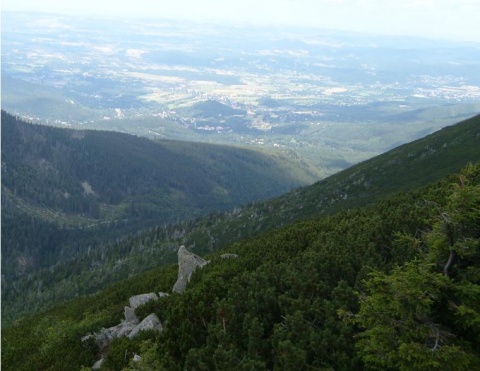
point(65, 190)
point(393, 285)
point(90, 172)
point(404, 168)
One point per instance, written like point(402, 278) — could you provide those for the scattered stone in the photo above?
point(149, 323)
point(130, 329)
point(106, 335)
point(137, 300)
point(187, 263)
point(136, 358)
point(129, 326)
point(163, 294)
point(229, 256)
point(98, 364)
point(86, 337)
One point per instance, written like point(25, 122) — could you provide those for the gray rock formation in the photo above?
point(125, 328)
point(129, 326)
point(187, 263)
point(162, 295)
point(137, 300)
point(229, 256)
point(106, 335)
point(136, 358)
point(130, 315)
point(98, 364)
point(149, 323)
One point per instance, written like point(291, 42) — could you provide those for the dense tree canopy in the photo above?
point(392, 285)
point(367, 288)
point(64, 191)
point(426, 313)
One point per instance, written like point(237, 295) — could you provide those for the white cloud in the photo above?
point(442, 18)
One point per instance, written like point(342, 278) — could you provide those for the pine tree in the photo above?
point(426, 313)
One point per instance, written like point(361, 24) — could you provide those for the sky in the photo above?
point(450, 19)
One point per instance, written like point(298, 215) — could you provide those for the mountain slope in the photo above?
point(78, 171)
point(63, 189)
point(292, 298)
point(404, 168)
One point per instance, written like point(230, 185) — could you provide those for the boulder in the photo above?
point(137, 300)
point(98, 364)
point(149, 323)
point(187, 263)
point(125, 328)
point(136, 358)
point(229, 256)
point(128, 327)
point(106, 335)
point(130, 315)
point(162, 295)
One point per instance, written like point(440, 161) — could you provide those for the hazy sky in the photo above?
point(453, 19)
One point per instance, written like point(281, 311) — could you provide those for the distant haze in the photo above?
point(450, 19)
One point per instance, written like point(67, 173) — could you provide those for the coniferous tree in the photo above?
point(426, 313)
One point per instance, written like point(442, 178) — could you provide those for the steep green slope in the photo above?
point(404, 168)
point(291, 298)
point(83, 179)
point(401, 169)
point(91, 172)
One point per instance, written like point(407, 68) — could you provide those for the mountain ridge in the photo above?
point(308, 294)
point(60, 182)
point(157, 246)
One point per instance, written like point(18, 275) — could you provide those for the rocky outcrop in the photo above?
point(130, 315)
point(130, 326)
point(125, 327)
point(97, 365)
point(106, 335)
point(187, 263)
point(149, 323)
point(137, 300)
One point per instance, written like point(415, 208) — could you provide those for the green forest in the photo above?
point(392, 285)
point(67, 191)
point(100, 174)
point(376, 267)
point(87, 260)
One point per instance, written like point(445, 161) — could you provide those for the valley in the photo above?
point(66, 191)
point(326, 181)
point(334, 98)
point(99, 264)
point(309, 293)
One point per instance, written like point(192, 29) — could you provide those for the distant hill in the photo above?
point(405, 168)
point(42, 101)
point(65, 181)
point(212, 108)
